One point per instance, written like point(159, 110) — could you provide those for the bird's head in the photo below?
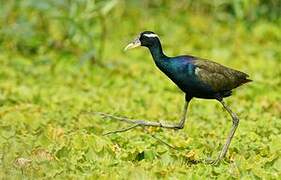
point(146, 38)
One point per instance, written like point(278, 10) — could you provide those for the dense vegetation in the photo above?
point(61, 59)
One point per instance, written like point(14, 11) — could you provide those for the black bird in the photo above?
point(196, 77)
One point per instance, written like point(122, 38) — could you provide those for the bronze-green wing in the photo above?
point(219, 77)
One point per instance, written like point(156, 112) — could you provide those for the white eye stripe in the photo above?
point(150, 35)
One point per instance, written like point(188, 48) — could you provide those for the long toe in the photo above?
point(213, 161)
point(216, 161)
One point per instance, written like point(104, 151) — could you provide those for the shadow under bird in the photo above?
point(196, 77)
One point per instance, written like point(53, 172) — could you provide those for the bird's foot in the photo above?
point(216, 162)
point(213, 161)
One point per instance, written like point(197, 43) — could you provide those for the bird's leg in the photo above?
point(235, 122)
point(183, 117)
point(162, 124)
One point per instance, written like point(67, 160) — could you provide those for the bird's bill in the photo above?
point(134, 44)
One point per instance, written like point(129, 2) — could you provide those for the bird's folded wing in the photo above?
point(219, 77)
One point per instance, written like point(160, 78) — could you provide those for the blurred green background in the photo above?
point(60, 58)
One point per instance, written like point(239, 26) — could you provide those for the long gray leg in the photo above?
point(163, 124)
point(235, 122)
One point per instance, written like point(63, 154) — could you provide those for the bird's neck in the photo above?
point(157, 53)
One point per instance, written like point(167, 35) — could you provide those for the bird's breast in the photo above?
point(184, 76)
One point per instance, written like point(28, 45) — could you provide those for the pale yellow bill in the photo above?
point(134, 44)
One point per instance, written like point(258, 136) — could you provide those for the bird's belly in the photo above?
point(193, 87)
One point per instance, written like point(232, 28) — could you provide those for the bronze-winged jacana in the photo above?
point(196, 77)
